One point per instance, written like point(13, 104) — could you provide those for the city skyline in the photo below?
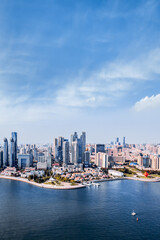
point(97, 70)
point(121, 140)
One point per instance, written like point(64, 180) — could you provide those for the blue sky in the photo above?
point(80, 65)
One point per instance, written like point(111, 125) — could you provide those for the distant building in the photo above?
point(124, 141)
point(41, 157)
point(117, 141)
point(12, 153)
point(14, 136)
point(60, 149)
point(1, 158)
point(86, 157)
point(65, 152)
point(25, 160)
point(75, 152)
point(49, 161)
point(83, 142)
point(99, 148)
point(155, 162)
point(146, 162)
point(102, 160)
point(140, 160)
point(5, 153)
point(77, 148)
point(119, 159)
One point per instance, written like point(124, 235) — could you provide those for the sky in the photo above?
point(80, 65)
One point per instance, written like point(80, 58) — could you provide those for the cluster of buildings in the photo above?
point(73, 152)
point(74, 155)
point(24, 156)
point(80, 175)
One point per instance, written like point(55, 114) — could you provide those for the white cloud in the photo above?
point(147, 103)
point(110, 83)
point(92, 93)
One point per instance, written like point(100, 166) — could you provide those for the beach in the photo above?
point(65, 186)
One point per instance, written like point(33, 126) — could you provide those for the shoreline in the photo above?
point(67, 185)
point(128, 178)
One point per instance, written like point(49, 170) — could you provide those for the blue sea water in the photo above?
point(29, 212)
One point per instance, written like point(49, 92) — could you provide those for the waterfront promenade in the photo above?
point(68, 186)
point(64, 186)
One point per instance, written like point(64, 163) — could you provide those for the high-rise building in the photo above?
point(25, 160)
point(65, 152)
point(55, 148)
point(86, 158)
point(140, 159)
point(99, 148)
point(102, 159)
point(1, 158)
point(74, 137)
point(124, 141)
point(75, 152)
point(83, 140)
point(117, 140)
point(14, 136)
point(12, 153)
point(60, 149)
point(146, 161)
point(48, 159)
point(5, 153)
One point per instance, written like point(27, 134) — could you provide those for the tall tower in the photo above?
point(75, 152)
point(55, 148)
point(5, 153)
point(83, 140)
point(124, 141)
point(60, 147)
point(65, 152)
point(14, 136)
point(83, 144)
point(12, 153)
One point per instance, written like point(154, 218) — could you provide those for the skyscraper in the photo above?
point(75, 152)
point(65, 152)
point(55, 148)
point(60, 147)
point(124, 141)
point(1, 158)
point(117, 141)
point(81, 144)
point(14, 136)
point(86, 158)
point(12, 153)
point(83, 141)
point(5, 153)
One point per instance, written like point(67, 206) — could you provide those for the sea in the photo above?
point(31, 213)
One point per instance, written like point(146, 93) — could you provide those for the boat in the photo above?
point(133, 213)
point(96, 184)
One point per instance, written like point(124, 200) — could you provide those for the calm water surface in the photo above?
point(29, 212)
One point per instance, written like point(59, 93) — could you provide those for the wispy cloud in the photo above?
point(147, 103)
point(107, 85)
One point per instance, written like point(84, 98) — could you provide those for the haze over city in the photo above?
point(71, 65)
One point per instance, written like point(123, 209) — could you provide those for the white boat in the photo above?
point(133, 213)
point(96, 184)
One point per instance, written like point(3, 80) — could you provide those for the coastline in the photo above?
point(66, 186)
point(127, 178)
